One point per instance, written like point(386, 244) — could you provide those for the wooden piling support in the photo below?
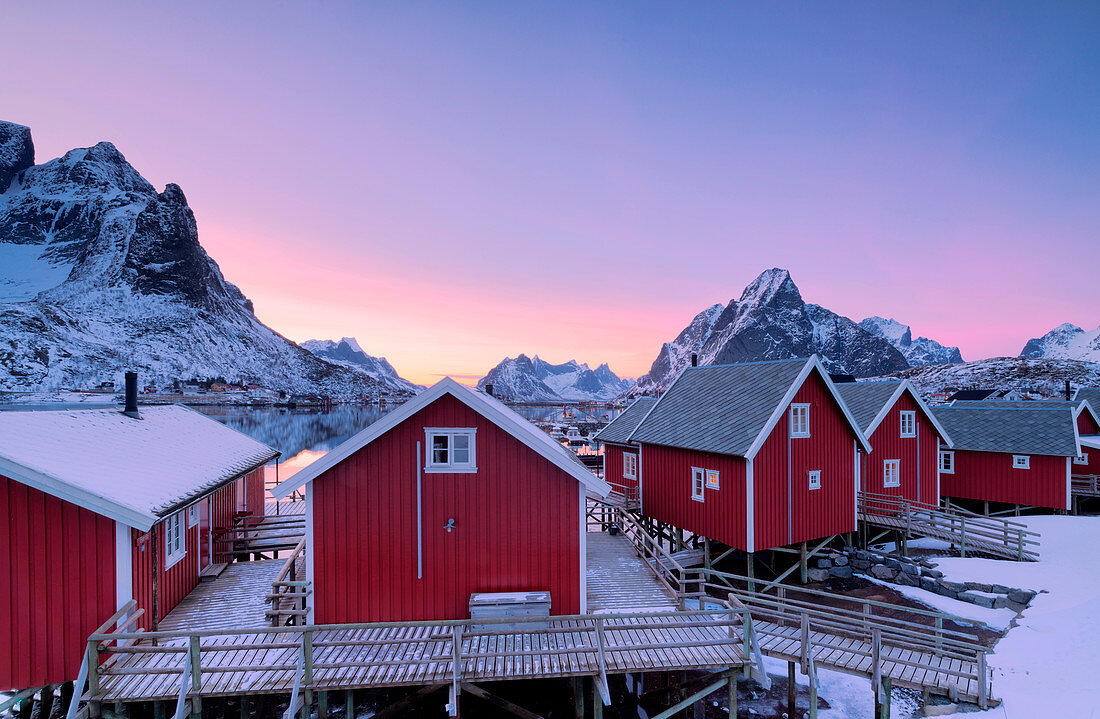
point(159, 710)
point(245, 707)
point(883, 704)
point(597, 701)
point(732, 703)
point(803, 565)
point(792, 689)
point(349, 703)
point(322, 704)
point(813, 698)
point(578, 697)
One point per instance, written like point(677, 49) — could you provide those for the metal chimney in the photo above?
point(131, 409)
point(1069, 392)
point(694, 360)
point(489, 389)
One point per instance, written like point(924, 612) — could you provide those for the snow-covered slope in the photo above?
point(1065, 342)
point(917, 352)
point(528, 379)
point(771, 321)
point(348, 353)
point(1041, 377)
point(100, 273)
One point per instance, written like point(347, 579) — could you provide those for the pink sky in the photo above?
point(457, 184)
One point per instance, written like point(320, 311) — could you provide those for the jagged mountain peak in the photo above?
point(771, 287)
point(16, 151)
point(536, 380)
point(347, 352)
point(917, 352)
point(1066, 341)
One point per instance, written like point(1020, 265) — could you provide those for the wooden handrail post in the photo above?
point(92, 654)
point(982, 677)
point(939, 632)
point(307, 656)
point(196, 668)
point(876, 666)
point(962, 536)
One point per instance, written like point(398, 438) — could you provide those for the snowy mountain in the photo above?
point(1065, 342)
point(535, 380)
point(917, 352)
point(100, 273)
point(348, 353)
point(771, 321)
point(1040, 377)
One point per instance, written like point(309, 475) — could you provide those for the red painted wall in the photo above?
point(666, 480)
point(613, 467)
point(517, 527)
point(920, 451)
point(57, 569)
point(816, 513)
point(256, 493)
point(666, 496)
point(989, 475)
point(1086, 425)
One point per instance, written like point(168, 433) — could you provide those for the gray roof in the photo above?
point(619, 429)
point(866, 399)
point(1090, 394)
point(720, 408)
point(1016, 430)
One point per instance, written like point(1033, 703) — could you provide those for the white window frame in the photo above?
point(175, 540)
point(712, 479)
point(698, 484)
point(891, 468)
point(800, 427)
point(1021, 461)
point(1082, 459)
point(630, 465)
point(813, 479)
point(450, 466)
point(911, 416)
point(193, 515)
point(949, 466)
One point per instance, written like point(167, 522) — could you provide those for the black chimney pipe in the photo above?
point(489, 390)
point(1069, 394)
point(694, 360)
point(131, 409)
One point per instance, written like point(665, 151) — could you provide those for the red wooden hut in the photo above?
point(755, 455)
point(1018, 453)
point(1087, 465)
point(449, 495)
point(906, 439)
point(620, 456)
point(98, 508)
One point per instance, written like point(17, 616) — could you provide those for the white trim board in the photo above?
point(488, 407)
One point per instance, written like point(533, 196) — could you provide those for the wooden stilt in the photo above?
point(732, 695)
point(196, 708)
point(792, 689)
point(66, 694)
point(45, 702)
point(245, 707)
point(802, 564)
point(120, 710)
point(884, 704)
point(597, 701)
point(322, 705)
point(159, 710)
point(813, 698)
point(578, 697)
point(349, 704)
point(750, 570)
point(307, 704)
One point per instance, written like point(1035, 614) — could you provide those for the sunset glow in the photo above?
point(454, 184)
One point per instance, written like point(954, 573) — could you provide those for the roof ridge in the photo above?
point(800, 360)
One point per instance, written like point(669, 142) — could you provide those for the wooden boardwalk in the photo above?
point(619, 580)
point(234, 599)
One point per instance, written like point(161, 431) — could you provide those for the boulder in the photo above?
point(1021, 596)
point(862, 564)
point(863, 554)
point(1000, 602)
point(979, 587)
point(909, 580)
point(817, 575)
point(1015, 606)
point(933, 573)
point(841, 572)
point(880, 571)
point(910, 569)
point(1000, 589)
point(951, 586)
point(929, 584)
point(824, 563)
point(840, 560)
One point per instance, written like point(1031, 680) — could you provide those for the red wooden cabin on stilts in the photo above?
point(620, 456)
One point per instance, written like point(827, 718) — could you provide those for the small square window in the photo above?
point(712, 479)
point(908, 424)
point(698, 484)
point(630, 466)
point(175, 540)
point(800, 420)
point(947, 462)
point(1021, 461)
point(451, 450)
point(891, 473)
point(815, 479)
point(192, 515)
point(1083, 459)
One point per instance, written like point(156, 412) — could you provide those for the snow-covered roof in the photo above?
point(731, 409)
point(132, 470)
point(488, 407)
point(870, 402)
point(619, 429)
point(1040, 428)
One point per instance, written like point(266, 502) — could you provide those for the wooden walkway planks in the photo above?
point(619, 580)
point(235, 599)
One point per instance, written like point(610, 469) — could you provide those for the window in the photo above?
point(451, 450)
point(698, 484)
point(630, 466)
point(891, 473)
point(1021, 461)
point(192, 515)
point(175, 541)
point(800, 420)
point(908, 424)
point(712, 479)
point(1083, 459)
point(947, 462)
point(815, 479)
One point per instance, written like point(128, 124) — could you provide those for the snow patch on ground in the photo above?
point(25, 273)
point(996, 618)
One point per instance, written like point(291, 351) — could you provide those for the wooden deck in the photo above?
point(234, 599)
point(267, 661)
point(619, 580)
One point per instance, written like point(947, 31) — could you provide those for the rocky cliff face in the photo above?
point(917, 352)
point(772, 321)
point(347, 352)
point(528, 379)
point(100, 273)
point(1065, 342)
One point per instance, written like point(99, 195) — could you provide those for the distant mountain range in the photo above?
point(100, 273)
point(918, 352)
point(1065, 342)
point(527, 379)
point(347, 352)
point(1044, 377)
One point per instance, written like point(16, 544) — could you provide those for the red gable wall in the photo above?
point(517, 526)
point(613, 467)
point(919, 456)
point(1087, 425)
point(57, 584)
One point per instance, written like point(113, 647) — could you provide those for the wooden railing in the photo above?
point(290, 591)
point(116, 633)
point(252, 534)
point(970, 531)
point(1085, 485)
